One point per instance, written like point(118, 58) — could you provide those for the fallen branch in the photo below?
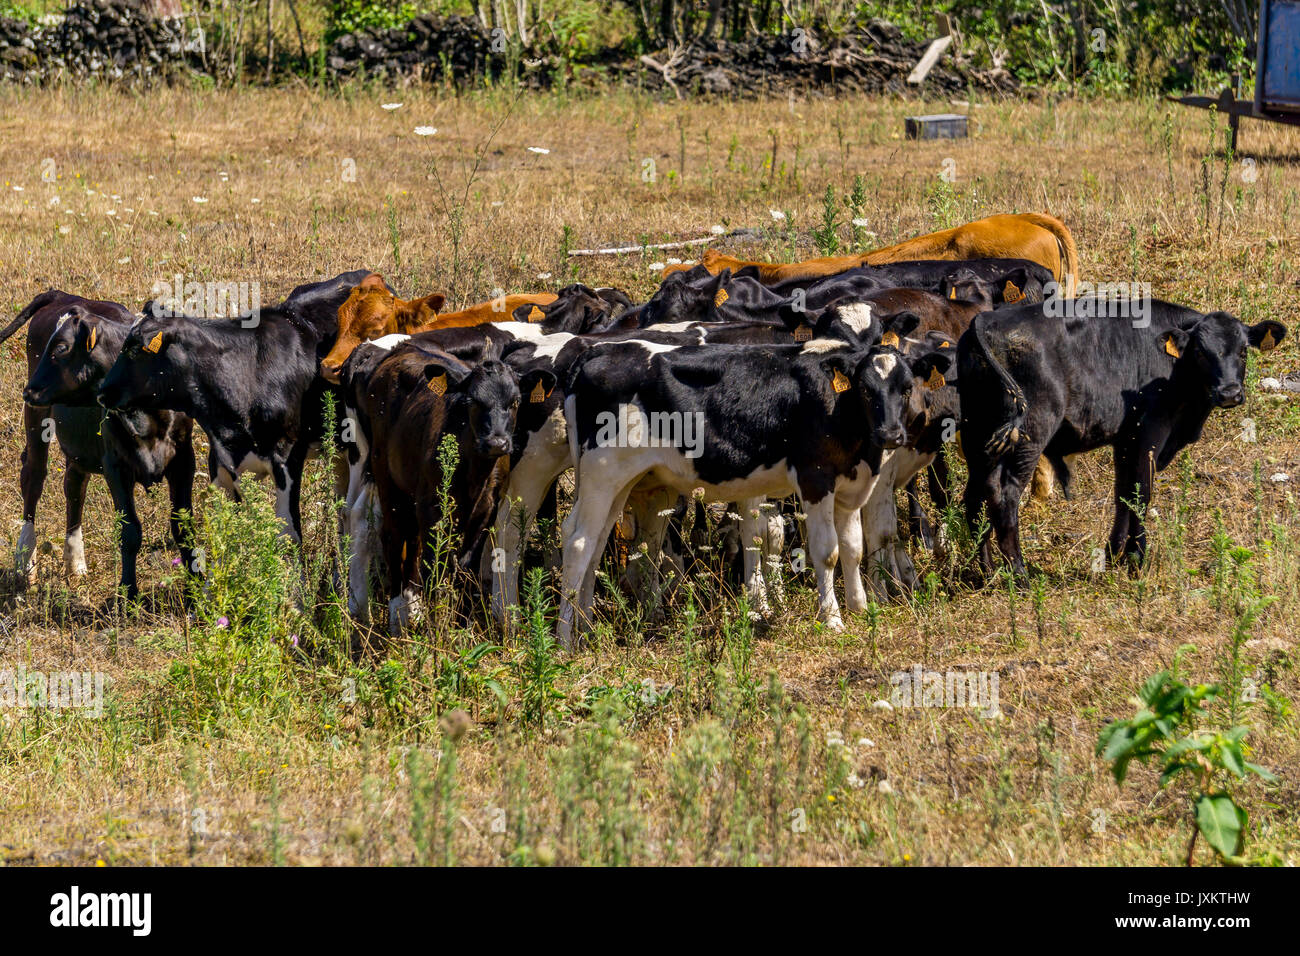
point(681, 244)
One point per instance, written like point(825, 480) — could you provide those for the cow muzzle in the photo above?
point(1230, 396)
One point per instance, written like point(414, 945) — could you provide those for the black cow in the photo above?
point(251, 383)
point(71, 343)
point(1034, 382)
point(577, 309)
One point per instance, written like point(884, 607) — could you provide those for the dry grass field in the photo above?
point(697, 739)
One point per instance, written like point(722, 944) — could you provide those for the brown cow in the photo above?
point(371, 311)
point(407, 403)
point(1034, 236)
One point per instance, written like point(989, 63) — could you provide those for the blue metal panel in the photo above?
point(1279, 80)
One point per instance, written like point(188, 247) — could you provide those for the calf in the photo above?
point(1040, 238)
point(577, 309)
point(1035, 383)
point(409, 401)
point(71, 343)
point(371, 311)
point(251, 383)
point(812, 419)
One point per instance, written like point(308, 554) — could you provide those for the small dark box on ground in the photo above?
point(937, 126)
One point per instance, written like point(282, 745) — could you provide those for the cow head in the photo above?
point(150, 371)
point(578, 310)
point(488, 396)
point(372, 311)
point(887, 383)
point(76, 359)
point(1213, 347)
point(966, 287)
point(860, 323)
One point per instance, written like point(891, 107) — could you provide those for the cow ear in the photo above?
point(439, 377)
point(1174, 342)
point(435, 302)
point(1265, 335)
point(537, 385)
point(718, 288)
point(930, 368)
point(531, 312)
point(896, 327)
point(839, 370)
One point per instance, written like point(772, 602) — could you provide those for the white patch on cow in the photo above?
point(549, 346)
point(653, 348)
point(403, 610)
point(818, 346)
point(856, 315)
point(885, 364)
point(74, 552)
point(389, 342)
point(25, 553)
point(672, 327)
point(254, 464)
point(361, 534)
point(63, 318)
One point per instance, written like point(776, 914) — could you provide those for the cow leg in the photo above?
point(918, 524)
point(848, 533)
point(121, 485)
point(823, 547)
point(643, 572)
point(35, 459)
point(752, 529)
point(515, 516)
point(599, 503)
point(1133, 478)
point(401, 537)
point(1015, 475)
point(180, 490)
point(937, 483)
point(74, 548)
point(361, 545)
point(773, 530)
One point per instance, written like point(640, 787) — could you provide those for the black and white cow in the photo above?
point(1034, 381)
point(252, 383)
point(739, 422)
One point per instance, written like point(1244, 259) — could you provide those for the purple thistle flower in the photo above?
point(223, 621)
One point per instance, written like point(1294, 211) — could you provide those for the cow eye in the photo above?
point(61, 348)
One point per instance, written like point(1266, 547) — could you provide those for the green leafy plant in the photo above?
point(1164, 727)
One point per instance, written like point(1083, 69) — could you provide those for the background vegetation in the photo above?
point(1104, 46)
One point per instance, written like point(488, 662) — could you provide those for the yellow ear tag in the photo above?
point(889, 338)
point(840, 383)
point(1171, 348)
point(538, 394)
point(1010, 293)
point(438, 384)
point(155, 344)
point(536, 315)
point(720, 298)
point(935, 380)
point(94, 337)
point(952, 293)
point(803, 333)
point(1267, 343)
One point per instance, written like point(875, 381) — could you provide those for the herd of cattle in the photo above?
point(834, 380)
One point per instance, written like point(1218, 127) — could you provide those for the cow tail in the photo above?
point(1069, 251)
point(1008, 434)
point(38, 303)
